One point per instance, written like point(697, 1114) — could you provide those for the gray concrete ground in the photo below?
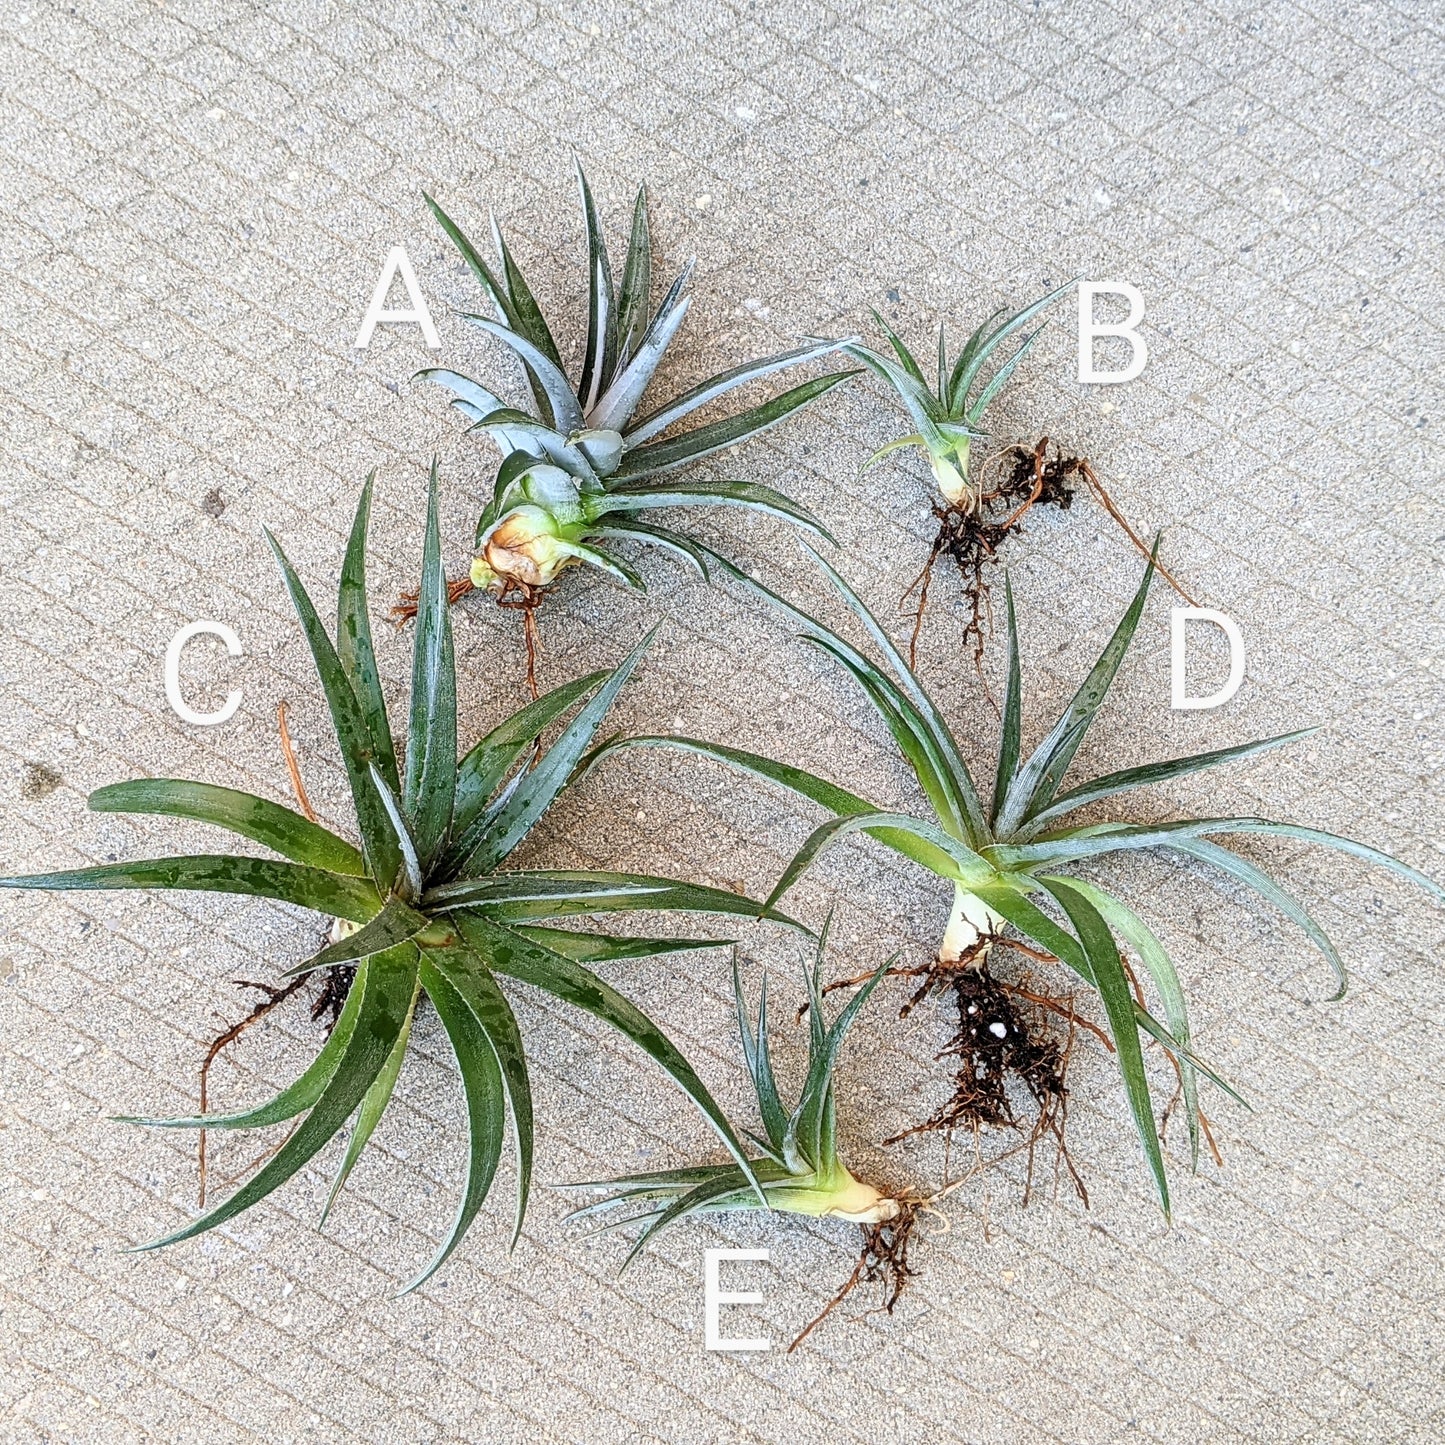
point(197, 196)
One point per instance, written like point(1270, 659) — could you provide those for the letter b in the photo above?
point(1089, 329)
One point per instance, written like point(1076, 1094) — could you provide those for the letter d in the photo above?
point(1179, 617)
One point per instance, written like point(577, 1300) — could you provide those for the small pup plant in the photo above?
point(1006, 858)
point(424, 906)
point(580, 465)
point(977, 518)
point(798, 1164)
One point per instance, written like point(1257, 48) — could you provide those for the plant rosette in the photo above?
point(579, 464)
point(423, 908)
point(1005, 859)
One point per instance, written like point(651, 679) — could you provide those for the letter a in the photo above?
point(398, 263)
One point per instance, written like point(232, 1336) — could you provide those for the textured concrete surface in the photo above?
point(196, 200)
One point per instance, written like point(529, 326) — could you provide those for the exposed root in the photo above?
point(972, 533)
point(406, 609)
point(527, 601)
point(882, 1260)
point(336, 984)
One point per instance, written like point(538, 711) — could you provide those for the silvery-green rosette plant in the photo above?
point(424, 905)
point(1006, 858)
point(798, 1164)
point(580, 466)
point(947, 416)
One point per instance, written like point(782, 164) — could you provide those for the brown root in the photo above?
point(973, 533)
point(336, 984)
point(406, 608)
point(527, 601)
point(882, 1260)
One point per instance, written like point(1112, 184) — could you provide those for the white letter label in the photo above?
point(397, 262)
point(712, 1298)
point(1089, 329)
point(173, 673)
point(1178, 617)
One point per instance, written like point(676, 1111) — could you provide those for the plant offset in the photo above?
point(977, 518)
point(579, 465)
point(424, 905)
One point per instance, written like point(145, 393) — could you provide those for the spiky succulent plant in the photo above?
point(580, 466)
point(1004, 859)
point(425, 906)
point(799, 1167)
point(948, 417)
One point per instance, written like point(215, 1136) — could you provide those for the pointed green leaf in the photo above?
point(923, 408)
point(353, 734)
point(613, 409)
point(508, 953)
point(301, 1094)
point(974, 415)
point(388, 982)
point(354, 647)
point(396, 923)
point(981, 347)
point(566, 415)
point(757, 1056)
point(638, 497)
point(373, 1106)
point(497, 293)
point(663, 456)
point(707, 391)
point(330, 893)
point(1113, 987)
point(480, 773)
point(599, 352)
point(523, 897)
point(540, 787)
point(635, 292)
point(410, 878)
point(808, 785)
point(527, 315)
point(1009, 737)
point(1039, 778)
point(280, 829)
point(938, 731)
point(431, 744)
point(966, 866)
point(468, 974)
point(1134, 931)
point(1149, 774)
point(628, 528)
point(603, 948)
point(486, 1118)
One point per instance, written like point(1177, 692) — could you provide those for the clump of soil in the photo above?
point(973, 534)
point(1005, 1033)
point(38, 780)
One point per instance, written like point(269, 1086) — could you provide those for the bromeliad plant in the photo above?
point(1006, 858)
point(799, 1167)
point(976, 519)
point(948, 418)
point(579, 465)
point(424, 906)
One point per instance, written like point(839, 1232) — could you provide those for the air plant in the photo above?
point(579, 465)
point(1004, 859)
point(976, 518)
point(424, 905)
point(798, 1166)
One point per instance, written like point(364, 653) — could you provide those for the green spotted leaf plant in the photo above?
point(425, 907)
